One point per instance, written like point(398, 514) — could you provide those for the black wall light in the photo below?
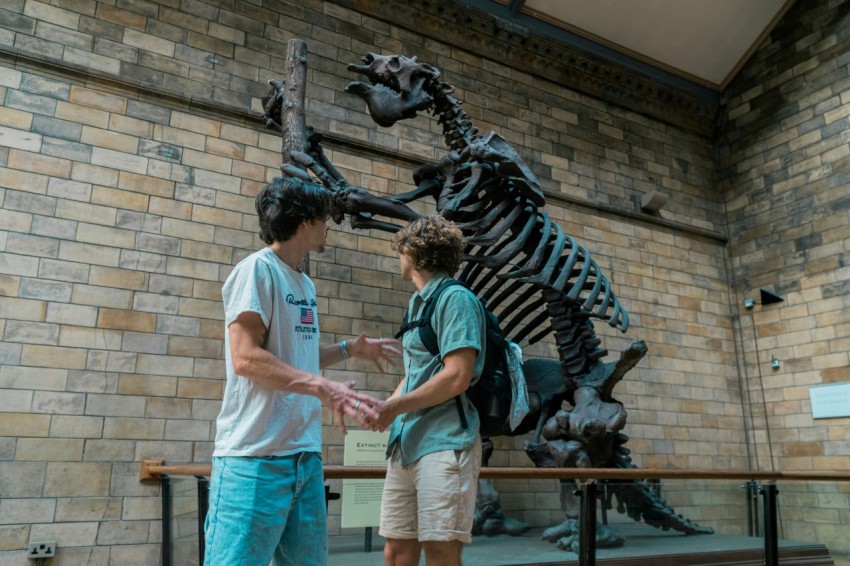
point(766, 297)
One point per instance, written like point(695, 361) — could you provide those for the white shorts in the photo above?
point(432, 499)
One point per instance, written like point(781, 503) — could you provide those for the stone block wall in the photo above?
point(130, 152)
point(784, 163)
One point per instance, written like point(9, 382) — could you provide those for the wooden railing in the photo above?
point(153, 469)
point(156, 470)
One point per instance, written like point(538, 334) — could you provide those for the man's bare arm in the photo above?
point(449, 382)
point(251, 361)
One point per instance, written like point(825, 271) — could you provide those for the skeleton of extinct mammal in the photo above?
point(536, 278)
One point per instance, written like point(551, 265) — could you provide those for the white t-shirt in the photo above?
point(256, 420)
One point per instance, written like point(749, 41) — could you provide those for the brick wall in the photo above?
point(784, 165)
point(130, 151)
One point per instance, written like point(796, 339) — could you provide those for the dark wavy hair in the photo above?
point(285, 203)
point(432, 243)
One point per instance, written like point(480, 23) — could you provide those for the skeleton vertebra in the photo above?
point(537, 279)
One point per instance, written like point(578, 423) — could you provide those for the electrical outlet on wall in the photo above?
point(41, 550)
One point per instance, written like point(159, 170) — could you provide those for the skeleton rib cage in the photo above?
point(534, 277)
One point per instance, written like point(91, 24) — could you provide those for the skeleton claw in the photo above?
point(327, 180)
point(293, 171)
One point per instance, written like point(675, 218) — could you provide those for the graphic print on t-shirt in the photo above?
point(307, 327)
point(306, 316)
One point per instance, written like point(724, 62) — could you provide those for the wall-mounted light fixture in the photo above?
point(775, 363)
point(653, 202)
point(767, 298)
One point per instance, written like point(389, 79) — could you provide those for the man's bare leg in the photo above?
point(443, 553)
point(401, 552)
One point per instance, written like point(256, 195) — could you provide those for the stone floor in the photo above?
point(641, 542)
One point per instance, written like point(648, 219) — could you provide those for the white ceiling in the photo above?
point(703, 41)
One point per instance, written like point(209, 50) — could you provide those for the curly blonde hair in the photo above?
point(432, 243)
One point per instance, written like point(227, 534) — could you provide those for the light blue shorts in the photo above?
point(261, 508)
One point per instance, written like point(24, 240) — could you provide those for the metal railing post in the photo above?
point(771, 535)
point(330, 496)
point(203, 507)
point(587, 525)
point(605, 500)
point(367, 540)
point(656, 487)
point(752, 488)
point(165, 495)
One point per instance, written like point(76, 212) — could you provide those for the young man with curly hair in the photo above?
point(434, 461)
point(267, 496)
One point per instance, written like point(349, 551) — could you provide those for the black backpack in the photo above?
point(491, 394)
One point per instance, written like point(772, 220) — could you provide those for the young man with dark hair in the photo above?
point(267, 497)
point(434, 460)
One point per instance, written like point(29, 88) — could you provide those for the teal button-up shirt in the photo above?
point(458, 321)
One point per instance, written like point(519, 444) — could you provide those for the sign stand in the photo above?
point(361, 499)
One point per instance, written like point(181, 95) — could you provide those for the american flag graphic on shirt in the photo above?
point(307, 316)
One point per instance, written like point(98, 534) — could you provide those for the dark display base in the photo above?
point(644, 546)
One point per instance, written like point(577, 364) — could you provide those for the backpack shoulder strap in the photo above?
point(427, 334)
point(423, 323)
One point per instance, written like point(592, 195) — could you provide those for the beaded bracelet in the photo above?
point(344, 350)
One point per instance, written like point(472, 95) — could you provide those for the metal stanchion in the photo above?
point(752, 488)
point(771, 533)
point(203, 507)
point(587, 525)
point(367, 540)
point(605, 501)
point(165, 548)
point(330, 496)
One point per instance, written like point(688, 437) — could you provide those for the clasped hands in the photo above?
point(367, 411)
point(374, 414)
